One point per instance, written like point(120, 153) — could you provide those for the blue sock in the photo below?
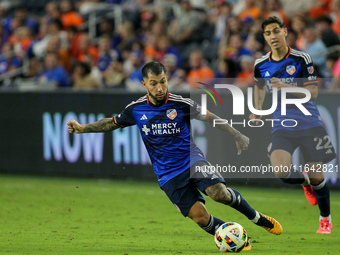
point(321, 192)
point(213, 225)
point(240, 204)
point(294, 177)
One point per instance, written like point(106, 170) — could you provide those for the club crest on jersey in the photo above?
point(310, 69)
point(172, 113)
point(290, 69)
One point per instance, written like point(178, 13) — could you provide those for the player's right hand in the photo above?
point(255, 118)
point(74, 127)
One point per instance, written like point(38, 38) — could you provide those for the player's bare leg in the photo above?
point(220, 193)
point(322, 197)
point(199, 214)
point(281, 162)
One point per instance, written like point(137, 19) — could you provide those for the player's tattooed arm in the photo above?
point(103, 125)
point(242, 141)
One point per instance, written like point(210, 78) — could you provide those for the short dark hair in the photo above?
point(271, 20)
point(153, 67)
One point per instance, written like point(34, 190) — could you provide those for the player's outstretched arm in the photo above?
point(242, 141)
point(103, 125)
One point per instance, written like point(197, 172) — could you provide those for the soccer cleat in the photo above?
point(269, 224)
point(248, 246)
point(309, 193)
point(325, 226)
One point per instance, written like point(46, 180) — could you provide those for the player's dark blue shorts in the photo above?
point(314, 143)
point(183, 190)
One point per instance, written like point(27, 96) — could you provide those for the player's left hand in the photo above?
point(242, 143)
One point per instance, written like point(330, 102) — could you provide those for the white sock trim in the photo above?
point(329, 218)
point(307, 181)
point(320, 185)
point(257, 217)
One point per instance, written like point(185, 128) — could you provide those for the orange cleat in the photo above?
point(248, 246)
point(269, 224)
point(309, 193)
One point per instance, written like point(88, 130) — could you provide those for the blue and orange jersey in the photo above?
point(296, 69)
point(165, 131)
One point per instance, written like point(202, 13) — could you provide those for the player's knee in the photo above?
point(316, 181)
point(282, 175)
point(201, 219)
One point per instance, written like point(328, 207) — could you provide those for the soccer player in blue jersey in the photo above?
point(164, 123)
point(286, 67)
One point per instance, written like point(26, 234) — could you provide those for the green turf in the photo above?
point(79, 216)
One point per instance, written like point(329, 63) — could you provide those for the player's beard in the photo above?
point(158, 100)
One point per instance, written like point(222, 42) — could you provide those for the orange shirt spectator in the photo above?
point(71, 19)
point(68, 16)
point(197, 68)
point(251, 11)
point(85, 48)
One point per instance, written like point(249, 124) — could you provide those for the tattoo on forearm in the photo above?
point(103, 125)
point(224, 127)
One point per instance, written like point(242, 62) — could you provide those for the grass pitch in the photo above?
point(81, 216)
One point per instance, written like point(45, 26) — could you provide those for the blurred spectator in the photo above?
point(327, 82)
point(226, 69)
point(68, 16)
point(335, 85)
point(73, 38)
point(317, 50)
point(198, 69)
point(183, 28)
point(292, 7)
point(134, 71)
point(234, 48)
point(298, 25)
point(320, 8)
point(21, 39)
point(274, 8)
point(95, 72)
point(52, 12)
point(177, 76)
point(22, 15)
point(82, 77)
point(246, 77)
point(147, 19)
point(106, 28)
point(163, 46)
point(53, 72)
point(53, 46)
point(126, 36)
point(292, 39)
point(323, 26)
point(86, 47)
point(8, 60)
point(106, 54)
point(220, 20)
point(336, 12)
point(251, 11)
point(114, 76)
point(53, 28)
point(170, 64)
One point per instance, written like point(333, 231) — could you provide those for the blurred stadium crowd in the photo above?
point(104, 44)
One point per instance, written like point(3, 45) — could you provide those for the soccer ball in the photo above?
point(231, 237)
